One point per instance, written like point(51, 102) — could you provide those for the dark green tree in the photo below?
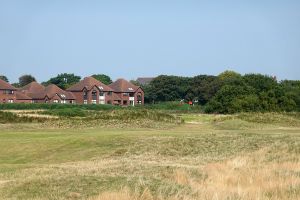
point(225, 100)
point(260, 82)
point(4, 78)
point(203, 88)
point(63, 80)
point(26, 79)
point(103, 78)
point(168, 88)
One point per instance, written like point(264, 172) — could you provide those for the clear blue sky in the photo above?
point(149, 37)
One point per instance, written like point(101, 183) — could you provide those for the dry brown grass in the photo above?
point(246, 177)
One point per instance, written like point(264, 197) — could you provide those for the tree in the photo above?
point(167, 88)
point(292, 91)
point(260, 82)
point(103, 78)
point(63, 80)
point(4, 78)
point(225, 100)
point(26, 79)
point(203, 88)
point(229, 75)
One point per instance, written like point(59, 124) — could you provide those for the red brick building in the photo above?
point(50, 94)
point(91, 91)
point(87, 91)
point(128, 93)
point(54, 94)
point(7, 92)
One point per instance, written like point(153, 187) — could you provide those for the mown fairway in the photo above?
point(208, 157)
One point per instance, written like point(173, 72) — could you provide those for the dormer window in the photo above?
point(8, 91)
point(130, 89)
point(101, 88)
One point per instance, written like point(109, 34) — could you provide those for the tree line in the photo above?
point(63, 80)
point(229, 92)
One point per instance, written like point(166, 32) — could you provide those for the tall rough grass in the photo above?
point(8, 117)
point(246, 177)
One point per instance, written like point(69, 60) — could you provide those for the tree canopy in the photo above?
point(229, 92)
point(25, 79)
point(103, 78)
point(63, 80)
point(4, 78)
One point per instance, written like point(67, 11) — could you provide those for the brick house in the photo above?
point(87, 91)
point(50, 94)
point(7, 92)
point(127, 93)
point(54, 94)
point(34, 91)
point(91, 91)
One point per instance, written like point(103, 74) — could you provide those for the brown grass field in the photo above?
point(245, 156)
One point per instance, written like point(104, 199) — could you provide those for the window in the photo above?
point(131, 94)
point(63, 96)
point(101, 94)
point(85, 94)
point(139, 96)
point(100, 87)
point(8, 91)
point(55, 101)
point(94, 95)
point(125, 94)
point(124, 102)
point(84, 101)
point(63, 101)
point(130, 89)
point(131, 103)
point(94, 101)
point(10, 100)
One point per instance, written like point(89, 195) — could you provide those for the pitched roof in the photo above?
point(33, 87)
point(36, 95)
point(6, 86)
point(52, 90)
point(33, 90)
point(22, 96)
point(89, 83)
point(121, 85)
point(144, 80)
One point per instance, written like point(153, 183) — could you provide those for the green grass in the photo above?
point(83, 163)
point(163, 106)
